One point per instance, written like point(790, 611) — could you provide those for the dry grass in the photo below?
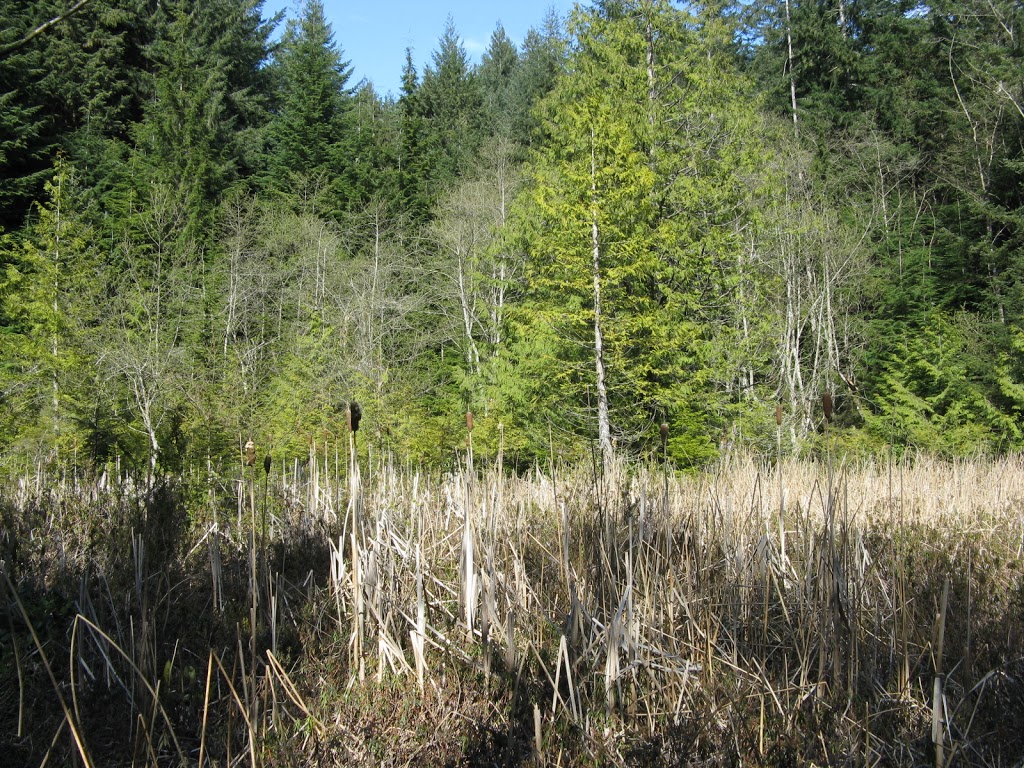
point(799, 614)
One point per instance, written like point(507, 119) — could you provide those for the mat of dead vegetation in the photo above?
point(792, 614)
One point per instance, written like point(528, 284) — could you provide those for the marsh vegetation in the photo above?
point(789, 614)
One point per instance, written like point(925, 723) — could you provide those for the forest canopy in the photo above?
point(702, 215)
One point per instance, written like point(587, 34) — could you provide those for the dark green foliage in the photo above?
point(913, 115)
point(497, 77)
point(307, 135)
point(452, 101)
point(935, 389)
point(542, 62)
point(26, 128)
point(442, 123)
point(370, 168)
point(412, 157)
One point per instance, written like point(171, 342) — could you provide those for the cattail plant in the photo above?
point(353, 415)
point(778, 471)
point(267, 461)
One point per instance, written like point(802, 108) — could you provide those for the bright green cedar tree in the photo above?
point(648, 162)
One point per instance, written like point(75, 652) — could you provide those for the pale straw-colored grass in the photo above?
point(751, 612)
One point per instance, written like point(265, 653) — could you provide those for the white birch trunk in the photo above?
point(604, 435)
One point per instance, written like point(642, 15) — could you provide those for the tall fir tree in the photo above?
point(207, 103)
point(412, 170)
point(307, 137)
point(442, 115)
point(542, 62)
point(497, 76)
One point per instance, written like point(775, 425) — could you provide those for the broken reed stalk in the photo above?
point(938, 713)
point(267, 464)
point(17, 667)
point(467, 566)
point(153, 692)
point(206, 709)
point(242, 708)
point(778, 472)
point(663, 429)
point(292, 692)
point(418, 634)
point(254, 573)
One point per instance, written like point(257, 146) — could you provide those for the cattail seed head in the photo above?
point(778, 415)
point(250, 453)
point(266, 464)
point(664, 433)
point(826, 406)
point(353, 415)
point(469, 420)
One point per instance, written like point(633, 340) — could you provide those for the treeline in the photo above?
point(643, 214)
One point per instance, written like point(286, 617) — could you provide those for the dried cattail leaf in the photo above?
point(826, 405)
point(250, 453)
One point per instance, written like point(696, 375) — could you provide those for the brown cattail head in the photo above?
point(250, 453)
point(664, 433)
point(826, 406)
point(778, 415)
point(469, 420)
point(353, 415)
point(266, 463)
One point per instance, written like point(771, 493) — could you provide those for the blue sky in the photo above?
point(373, 35)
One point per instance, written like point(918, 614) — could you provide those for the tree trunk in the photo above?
point(789, 66)
point(604, 434)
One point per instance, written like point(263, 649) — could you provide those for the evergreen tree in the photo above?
point(49, 310)
point(412, 169)
point(307, 137)
point(541, 64)
point(497, 77)
point(25, 124)
point(448, 103)
point(372, 148)
point(636, 201)
point(807, 61)
point(925, 170)
point(207, 104)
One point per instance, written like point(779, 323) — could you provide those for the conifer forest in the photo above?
point(648, 392)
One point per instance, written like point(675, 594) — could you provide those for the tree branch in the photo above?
point(10, 48)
